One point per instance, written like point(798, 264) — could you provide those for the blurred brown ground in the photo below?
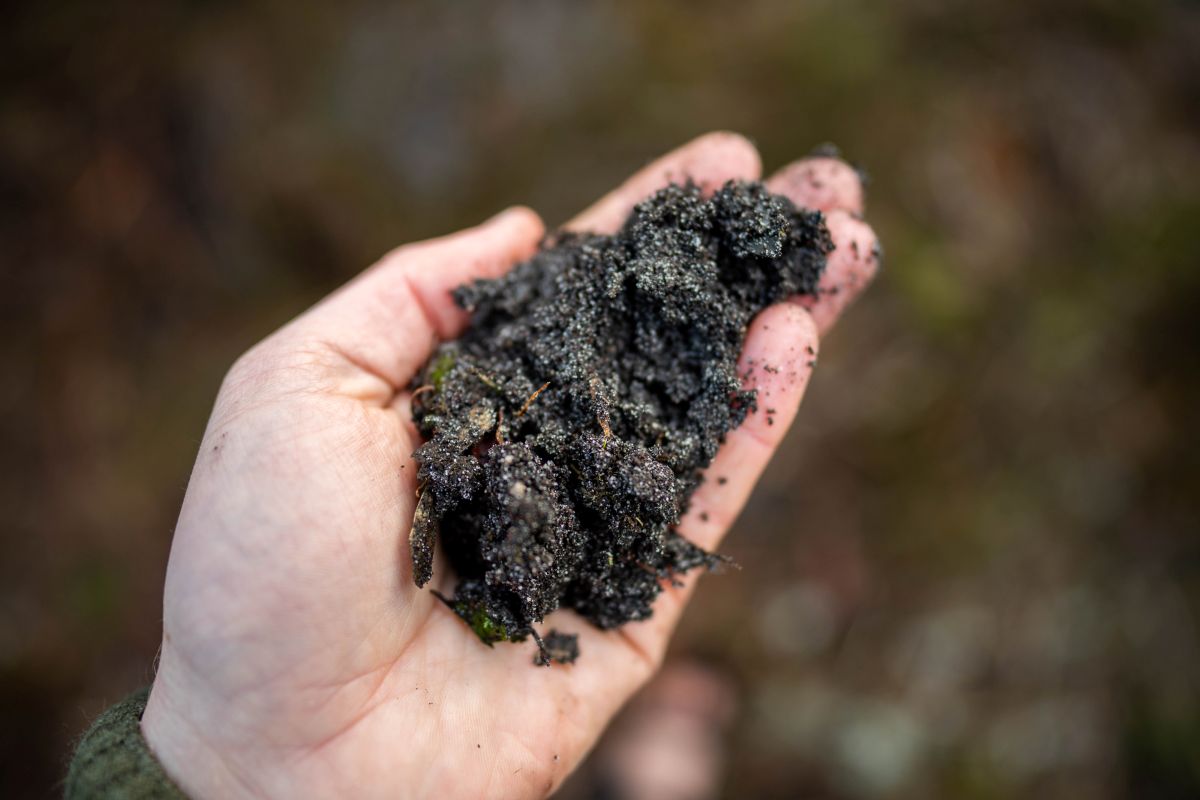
point(974, 570)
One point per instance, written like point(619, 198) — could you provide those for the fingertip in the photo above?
point(522, 221)
point(824, 183)
point(513, 232)
point(517, 231)
point(709, 161)
point(719, 154)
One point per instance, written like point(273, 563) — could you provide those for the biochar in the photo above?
point(567, 428)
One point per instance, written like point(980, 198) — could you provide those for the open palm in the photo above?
point(298, 658)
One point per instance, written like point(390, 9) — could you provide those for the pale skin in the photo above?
point(298, 658)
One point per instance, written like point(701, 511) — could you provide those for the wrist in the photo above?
point(188, 757)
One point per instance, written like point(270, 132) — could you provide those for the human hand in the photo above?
point(298, 658)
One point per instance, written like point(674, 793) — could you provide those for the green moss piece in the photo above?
point(441, 367)
point(487, 629)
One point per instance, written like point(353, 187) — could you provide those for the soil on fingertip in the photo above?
point(570, 424)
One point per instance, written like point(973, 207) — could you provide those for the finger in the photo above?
point(777, 361)
point(849, 269)
point(778, 358)
point(821, 183)
point(387, 321)
point(708, 161)
point(834, 187)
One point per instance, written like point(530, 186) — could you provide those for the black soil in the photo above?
point(570, 424)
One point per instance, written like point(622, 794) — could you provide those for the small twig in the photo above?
point(532, 397)
point(601, 413)
point(500, 427)
point(420, 390)
point(487, 381)
point(543, 656)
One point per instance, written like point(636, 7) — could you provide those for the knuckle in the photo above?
point(246, 368)
point(273, 365)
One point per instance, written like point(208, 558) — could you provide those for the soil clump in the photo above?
point(570, 424)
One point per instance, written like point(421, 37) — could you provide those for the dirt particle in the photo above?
point(557, 648)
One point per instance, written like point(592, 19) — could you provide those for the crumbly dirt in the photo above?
point(559, 648)
point(569, 425)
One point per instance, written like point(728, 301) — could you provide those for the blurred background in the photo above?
point(974, 569)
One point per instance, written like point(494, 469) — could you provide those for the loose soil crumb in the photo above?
point(559, 648)
point(568, 427)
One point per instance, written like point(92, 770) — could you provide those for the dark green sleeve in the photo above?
point(113, 761)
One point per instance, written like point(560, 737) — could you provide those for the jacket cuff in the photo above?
point(113, 760)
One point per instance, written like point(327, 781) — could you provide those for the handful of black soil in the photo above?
point(570, 424)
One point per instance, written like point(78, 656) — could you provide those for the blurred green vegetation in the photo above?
point(973, 570)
